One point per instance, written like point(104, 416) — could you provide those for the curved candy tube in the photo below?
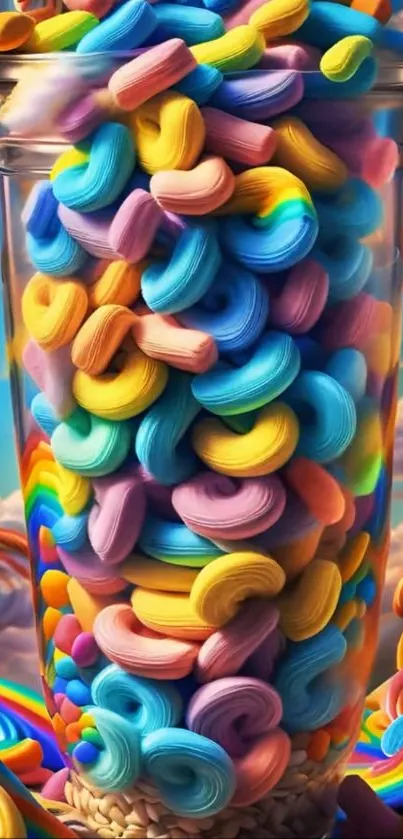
point(356, 210)
point(233, 311)
point(349, 368)
point(61, 32)
point(95, 184)
point(259, 94)
point(350, 323)
point(272, 366)
point(318, 87)
point(119, 283)
point(225, 652)
point(192, 25)
point(263, 450)
point(70, 158)
point(157, 576)
point(174, 543)
point(89, 445)
point(53, 311)
point(53, 374)
point(89, 231)
point(194, 776)
point(311, 698)
point(309, 606)
point(70, 532)
point(123, 29)
point(148, 705)
point(220, 508)
point(15, 30)
point(238, 713)
point(170, 614)
point(326, 25)
point(222, 586)
point(169, 132)
point(298, 151)
point(289, 55)
point(348, 264)
point(100, 337)
point(163, 338)
point(201, 83)
point(362, 462)
point(238, 140)
point(279, 18)
point(50, 247)
point(196, 192)
point(171, 287)
point(118, 764)
point(238, 49)
point(341, 61)
point(74, 491)
point(117, 633)
point(159, 445)
point(301, 298)
point(159, 497)
point(90, 572)
point(374, 159)
point(149, 74)
point(44, 414)
point(117, 514)
point(316, 488)
point(83, 116)
point(134, 226)
point(333, 420)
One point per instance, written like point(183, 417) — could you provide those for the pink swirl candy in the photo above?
point(117, 515)
point(151, 73)
point(301, 298)
point(86, 566)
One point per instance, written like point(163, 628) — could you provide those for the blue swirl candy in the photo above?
point(44, 414)
point(71, 532)
point(50, 247)
point(318, 86)
point(201, 83)
point(146, 703)
point(349, 367)
point(355, 210)
point(118, 764)
point(174, 543)
point(259, 94)
point(193, 26)
point(348, 264)
point(126, 27)
point(274, 247)
point(328, 22)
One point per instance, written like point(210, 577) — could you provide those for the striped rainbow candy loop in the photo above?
point(211, 343)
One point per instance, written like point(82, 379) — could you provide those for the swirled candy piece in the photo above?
point(234, 310)
point(149, 74)
point(101, 337)
point(318, 490)
point(120, 636)
point(94, 185)
point(193, 25)
point(340, 62)
point(169, 132)
point(176, 285)
point(117, 515)
point(174, 543)
point(291, 56)
point(328, 24)
point(263, 450)
point(349, 367)
point(83, 116)
point(91, 574)
point(242, 715)
point(238, 139)
point(259, 94)
point(356, 210)
point(15, 30)
point(279, 18)
point(125, 28)
point(309, 606)
point(270, 368)
point(89, 445)
point(348, 264)
point(158, 576)
point(170, 614)
point(194, 776)
point(239, 49)
point(162, 337)
point(298, 300)
point(201, 83)
point(227, 650)
point(90, 231)
point(317, 86)
point(62, 31)
point(53, 311)
point(300, 152)
point(350, 323)
point(70, 532)
point(50, 247)
point(333, 419)
point(74, 491)
point(196, 192)
point(220, 508)
point(159, 445)
point(148, 705)
point(119, 283)
point(220, 587)
point(311, 697)
point(118, 764)
point(73, 157)
point(44, 414)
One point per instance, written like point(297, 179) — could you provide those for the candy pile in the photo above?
point(213, 330)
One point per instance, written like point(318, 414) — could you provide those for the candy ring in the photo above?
point(285, 227)
point(15, 30)
point(169, 132)
point(90, 445)
point(53, 311)
point(157, 576)
point(61, 31)
point(318, 490)
point(138, 382)
point(70, 532)
point(333, 421)
point(349, 368)
point(263, 450)
point(160, 445)
point(117, 514)
point(222, 586)
point(100, 337)
point(147, 705)
point(174, 543)
point(356, 210)
point(310, 698)
point(233, 311)
point(170, 614)
point(117, 633)
point(194, 776)
point(237, 139)
point(239, 49)
point(225, 652)
point(118, 764)
point(50, 247)
point(299, 151)
point(99, 182)
point(259, 94)
point(220, 508)
point(88, 569)
point(242, 715)
point(72, 157)
point(162, 337)
point(270, 368)
point(308, 607)
point(149, 74)
point(301, 298)
point(197, 192)
point(118, 284)
point(192, 26)
point(121, 30)
point(173, 286)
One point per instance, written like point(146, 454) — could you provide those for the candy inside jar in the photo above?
point(203, 271)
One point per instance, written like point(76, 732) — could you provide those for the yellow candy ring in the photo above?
point(171, 614)
point(300, 152)
point(309, 605)
point(223, 585)
point(53, 310)
point(160, 576)
point(262, 189)
point(119, 283)
point(279, 17)
point(267, 447)
point(169, 132)
point(239, 49)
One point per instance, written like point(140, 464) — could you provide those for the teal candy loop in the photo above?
point(348, 264)
point(71, 532)
point(119, 763)
point(349, 368)
point(234, 310)
point(311, 698)
point(170, 287)
point(44, 414)
point(160, 442)
point(57, 253)
point(192, 25)
point(279, 244)
point(97, 184)
point(270, 369)
point(200, 83)
point(392, 738)
point(194, 775)
point(326, 413)
point(317, 86)
point(126, 27)
point(174, 543)
point(355, 210)
point(146, 704)
point(89, 445)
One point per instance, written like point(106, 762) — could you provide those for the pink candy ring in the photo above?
point(163, 338)
point(196, 192)
point(53, 374)
point(117, 515)
point(223, 508)
point(301, 298)
point(151, 73)
point(122, 639)
point(236, 139)
point(86, 567)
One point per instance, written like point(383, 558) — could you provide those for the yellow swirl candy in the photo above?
point(171, 614)
point(53, 310)
point(119, 284)
point(239, 49)
point(262, 189)
point(265, 448)
point(11, 822)
point(278, 18)
point(61, 32)
point(74, 490)
point(308, 607)
point(169, 132)
point(300, 152)
point(342, 60)
point(222, 586)
point(161, 576)
point(72, 157)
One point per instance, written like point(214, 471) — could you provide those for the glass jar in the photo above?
point(189, 698)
